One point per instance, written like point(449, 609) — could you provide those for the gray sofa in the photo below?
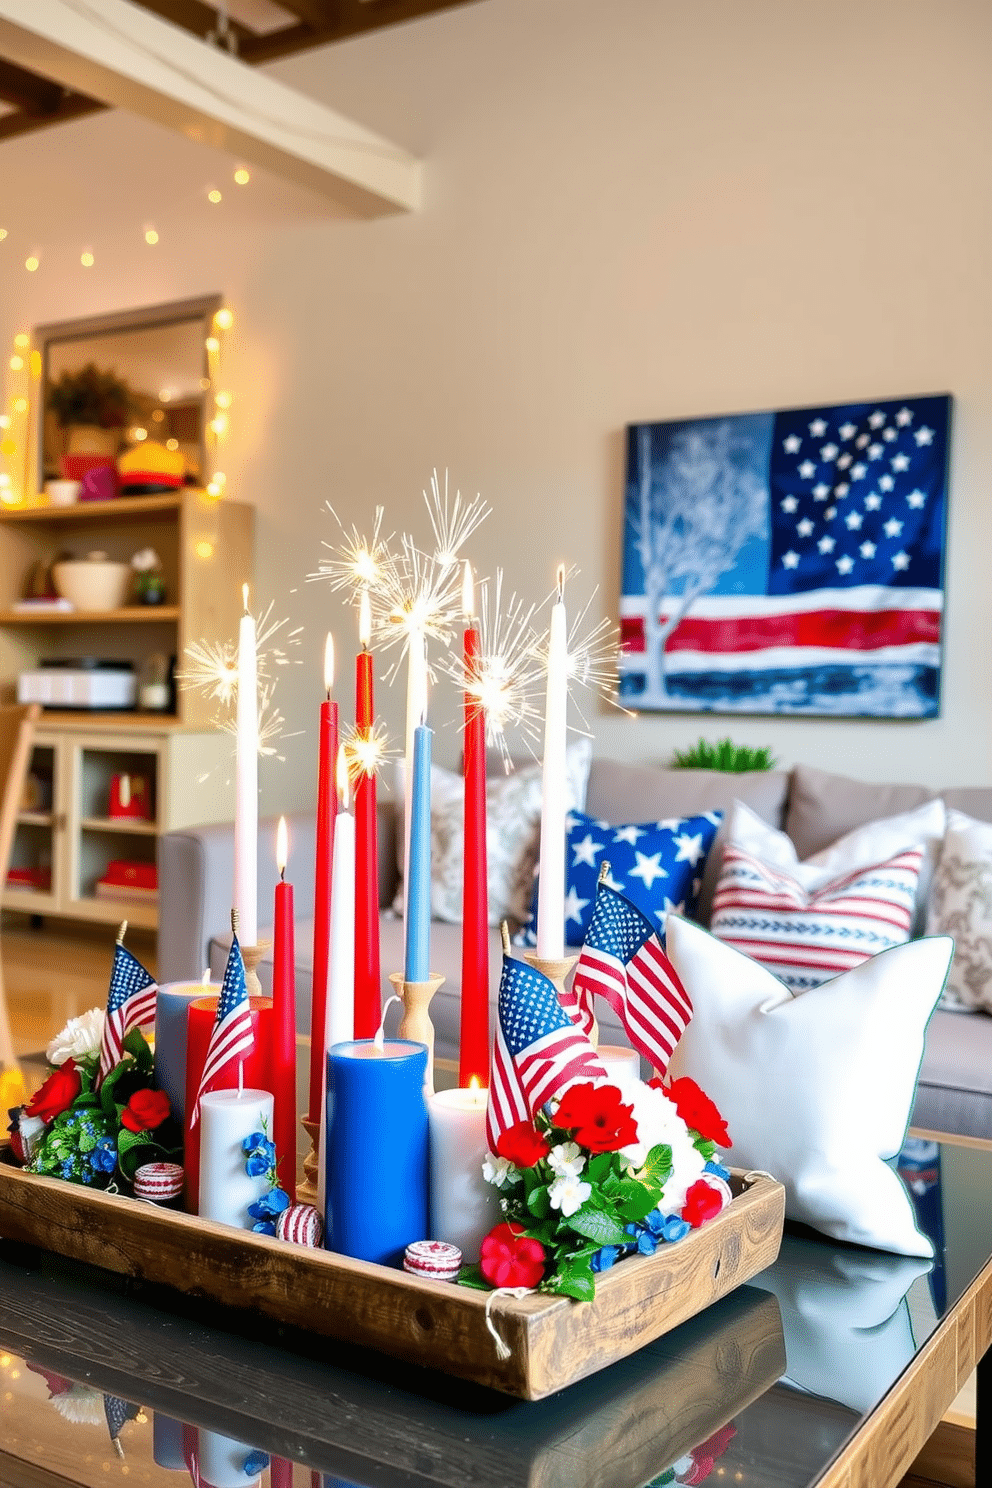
point(814, 807)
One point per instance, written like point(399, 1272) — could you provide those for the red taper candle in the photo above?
point(327, 805)
point(368, 980)
point(283, 1085)
point(256, 1073)
point(473, 1047)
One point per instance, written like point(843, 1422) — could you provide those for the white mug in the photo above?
point(63, 492)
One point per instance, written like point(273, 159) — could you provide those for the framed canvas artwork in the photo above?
point(787, 563)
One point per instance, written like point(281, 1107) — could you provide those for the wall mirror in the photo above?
point(127, 394)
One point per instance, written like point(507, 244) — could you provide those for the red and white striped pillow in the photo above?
point(806, 936)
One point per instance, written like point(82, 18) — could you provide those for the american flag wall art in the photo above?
point(787, 563)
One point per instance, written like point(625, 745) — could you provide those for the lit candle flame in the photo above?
point(329, 664)
point(244, 597)
point(343, 779)
point(365, 620)
point(475, 1083)
point(468, 592)
point(282, 847)
point(561, 582)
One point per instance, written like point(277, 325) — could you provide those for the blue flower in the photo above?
point(263, 1226)
point(256, 1462)
point(605, 1257)
point(674, 1228)
point(269, 1205)
point(67, 1168)
point(104, 1155)
point(646, 1243)
point(261, 1155)
point(718, 1170)
point(655, 1221)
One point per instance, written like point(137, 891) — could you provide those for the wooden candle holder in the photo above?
point(416, 1023)
point(251, 956)
point(306, 1188)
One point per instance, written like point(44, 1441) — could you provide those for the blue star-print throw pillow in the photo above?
point(658, 865)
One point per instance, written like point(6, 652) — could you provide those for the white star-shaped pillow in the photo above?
point(817, 1088)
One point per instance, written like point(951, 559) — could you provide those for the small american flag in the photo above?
point(130, 1003)
point(623, 959)
point(232, 1035)
point(538, 1050)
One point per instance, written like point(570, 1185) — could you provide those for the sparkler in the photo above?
point(592, 655)
point(365, 751)
point(453, 525)
point(359, 562)
point(506, 678)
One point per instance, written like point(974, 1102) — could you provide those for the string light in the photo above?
point(212, 345)
point(16, 363)
point(22, 339)
point(20, 405)
point(214, 196)
point(86, 259)
point(241, 176)
point(223, 400)
point(3, 233)
point(151, 236)
point(31, 263)
point(224, 318)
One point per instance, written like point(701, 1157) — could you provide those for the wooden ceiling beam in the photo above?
point(350, 18)
point(72, 106)
point(194, 16)
point(25, 90)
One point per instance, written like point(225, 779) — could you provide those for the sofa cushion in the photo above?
point(961, 906)
point(823, 806)
point(658, 865)
point(628, 793)
point(954, 1093)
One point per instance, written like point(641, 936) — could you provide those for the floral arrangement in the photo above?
point(71, 1128)
point(260, 1162)
point(603, 1172)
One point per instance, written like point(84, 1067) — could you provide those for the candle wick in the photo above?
point(282, 874)
point(328, 694)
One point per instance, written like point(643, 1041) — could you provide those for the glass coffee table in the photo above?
point(832, 1368)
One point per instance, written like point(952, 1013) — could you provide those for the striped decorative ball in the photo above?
point(300, 1224)
point(433, 1260)
point(158, 1182)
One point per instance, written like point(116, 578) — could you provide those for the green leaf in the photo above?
point(574, 1279)
point(543, 1230)
point(471, 1276)
point(137, 1047)
point(636, 1200)
point(610, 1185)
point(599, 1167)
point(596, 1225)
point(658, 1168)
point(705, 1147)
point(539, 1203)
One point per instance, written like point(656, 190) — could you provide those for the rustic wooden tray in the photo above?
point(553, 1341)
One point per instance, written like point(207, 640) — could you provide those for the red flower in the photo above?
point(703, 1201)
point(509, 1259)
point(597, 1117)
point(697, 1110)
point(57, 1094)
point(522, 1145)
point(146, 1110)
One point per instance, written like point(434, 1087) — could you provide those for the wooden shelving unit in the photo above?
point(207, 552)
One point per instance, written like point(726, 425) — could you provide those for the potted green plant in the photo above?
point(93, 407)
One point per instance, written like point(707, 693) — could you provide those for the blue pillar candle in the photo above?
point(167, 1443)
point(171, 1007)
point(418, 900)
point(376, 1149)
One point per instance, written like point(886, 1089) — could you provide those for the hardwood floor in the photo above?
point(57, 972)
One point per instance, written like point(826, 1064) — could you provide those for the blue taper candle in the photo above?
point(418, 903)
point(376, 1149)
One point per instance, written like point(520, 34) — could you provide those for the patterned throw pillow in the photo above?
point(513, 812)
point(658, 865)
point(961, 906)
point(808, 922)
point(806, 938)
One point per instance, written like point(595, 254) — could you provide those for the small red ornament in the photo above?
point(703, 1201)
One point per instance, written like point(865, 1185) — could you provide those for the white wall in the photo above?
point(635, 211)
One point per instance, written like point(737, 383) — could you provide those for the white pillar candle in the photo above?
point(339, 1027)
point(620, 1062)
point(226, 1118)
point(464, 1207)
point(246, 783)
point(551, 887)
point(222, 1461)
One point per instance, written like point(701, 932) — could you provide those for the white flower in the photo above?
point(659, 1122)
point(146, 560)
point(498, 1170)
point(567, 1161)
point(568, 1194)
point(79, 1038)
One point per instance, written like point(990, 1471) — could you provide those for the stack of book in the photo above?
point(134, 882)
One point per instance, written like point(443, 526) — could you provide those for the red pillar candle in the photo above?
point(256, 1068)
point(473, 1049)
point(326, 814)
point(283, 1085)
point(368, 981)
